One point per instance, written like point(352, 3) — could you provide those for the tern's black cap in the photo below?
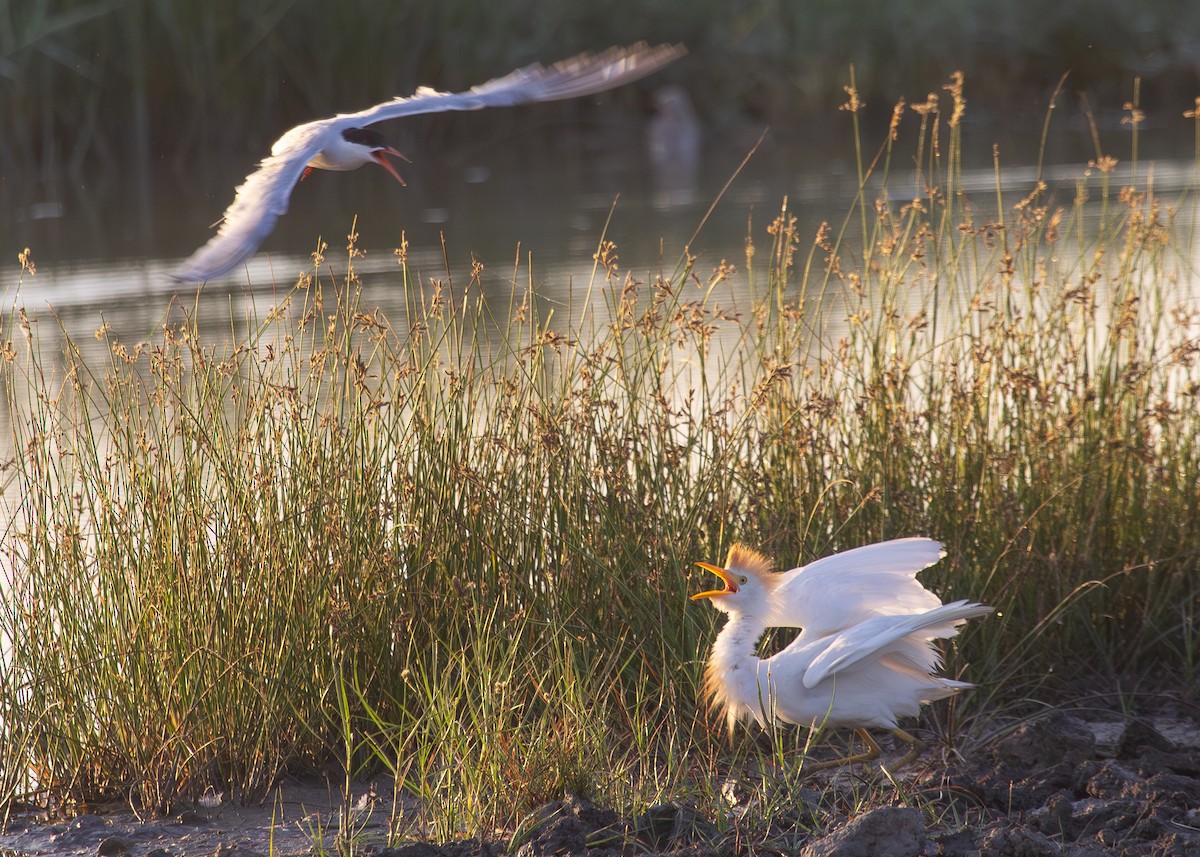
point(368, 137)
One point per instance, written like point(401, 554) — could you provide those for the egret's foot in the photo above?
point(872, 752)
point(915, 746)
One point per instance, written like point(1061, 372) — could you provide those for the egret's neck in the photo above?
point(731, 675)
point(738, 640)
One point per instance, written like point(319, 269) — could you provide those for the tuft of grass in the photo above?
point(455, 545)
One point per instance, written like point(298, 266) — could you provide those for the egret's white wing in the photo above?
point(586, 74)
point(874, 635)
point(258, 202)
point(842, 590)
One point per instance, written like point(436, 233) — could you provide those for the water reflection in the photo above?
point(490, 205)
point(536, 213)
point(673, 144)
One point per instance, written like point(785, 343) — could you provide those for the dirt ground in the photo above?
point(1056, 785)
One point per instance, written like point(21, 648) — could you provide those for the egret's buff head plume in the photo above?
point(750, 561)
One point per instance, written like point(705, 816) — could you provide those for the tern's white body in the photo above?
point(866, 656)
point(337, 154)
point(344, 142)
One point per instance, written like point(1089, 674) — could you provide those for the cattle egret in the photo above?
point(865, 658)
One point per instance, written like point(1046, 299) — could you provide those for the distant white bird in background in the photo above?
point(673, 140)
point(344, 142)
point(865, 657)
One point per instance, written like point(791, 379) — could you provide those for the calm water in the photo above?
point(107, 262)
point(103, 246)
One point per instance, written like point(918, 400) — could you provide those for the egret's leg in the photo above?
point(872, 752)
point(914, 748)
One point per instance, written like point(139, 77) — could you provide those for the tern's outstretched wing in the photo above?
point(585, 74)
point(263, 197)
point(258, 202)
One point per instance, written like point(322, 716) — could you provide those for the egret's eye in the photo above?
point(743, 580)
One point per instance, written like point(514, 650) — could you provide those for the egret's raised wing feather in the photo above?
point(258, 202)
point(586, 74)
point(839, 591)
point(871, 637)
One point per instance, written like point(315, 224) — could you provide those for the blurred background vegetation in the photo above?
point(95, 83)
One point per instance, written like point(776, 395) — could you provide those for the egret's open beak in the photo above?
point(379, 154)
point(726, 578)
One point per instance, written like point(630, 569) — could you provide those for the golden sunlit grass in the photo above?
point(457, 545)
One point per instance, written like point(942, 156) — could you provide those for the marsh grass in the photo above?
point(456, 545)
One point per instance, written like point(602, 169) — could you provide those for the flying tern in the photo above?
point(345, 142)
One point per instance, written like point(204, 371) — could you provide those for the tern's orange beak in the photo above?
point(726, 578)
point(379, 154)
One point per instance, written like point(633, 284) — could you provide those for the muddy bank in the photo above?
point(1053, 786)
point(1056, 786)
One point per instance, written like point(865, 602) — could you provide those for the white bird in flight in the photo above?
point(344, 142)
point(865, 657)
